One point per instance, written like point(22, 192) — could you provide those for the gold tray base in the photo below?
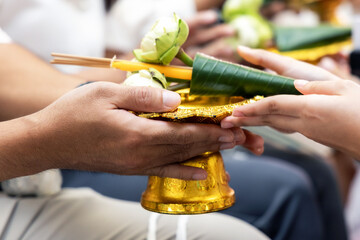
point(175, 196)
point(189, 208)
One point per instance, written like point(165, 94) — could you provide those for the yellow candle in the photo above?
point(184, 73)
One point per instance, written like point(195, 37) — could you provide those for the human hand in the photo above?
point(208, 37)
point(285, 66)
point(356, 5)
point(219, 48)
point(90, 129)
point(202, 5)
point(327, 113)
point(338, 65)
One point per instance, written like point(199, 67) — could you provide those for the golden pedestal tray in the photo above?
point(174, 196)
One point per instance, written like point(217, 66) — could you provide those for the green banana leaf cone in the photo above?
point(295, 38)
point(215, 77)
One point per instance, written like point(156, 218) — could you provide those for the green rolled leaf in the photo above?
point(215, 77)
point(295, 38)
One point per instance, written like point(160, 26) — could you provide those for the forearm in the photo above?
point(20, 149)
point(28, 84)
point(102, 74)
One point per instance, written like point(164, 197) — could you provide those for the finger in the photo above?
point(289, 105)
point(202, 19)
point(229, 122)
point(254, 143)
point(324, 87)
point(145, 99)
point(161, 132)
point(160, 155)
point(209, 34)
point(181, 153)
point(284, 65)
point(266, 59)
point(281, 122)
point(185, 152)
point(178, 171)
point(239, 135)
point(219, 49)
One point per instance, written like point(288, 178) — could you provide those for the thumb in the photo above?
point(317, 87)
point(146, 99)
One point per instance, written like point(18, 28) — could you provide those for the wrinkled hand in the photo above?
point(205, 36)
point(327, 112)
point(90, 129)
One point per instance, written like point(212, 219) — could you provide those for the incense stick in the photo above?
point(180, 72)
point(67, 59)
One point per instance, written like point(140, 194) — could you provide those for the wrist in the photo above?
point(21, 152)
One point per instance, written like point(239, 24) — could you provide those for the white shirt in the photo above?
point(129, 20)
point(4, 38)
point(64, 26)
point(78, 26)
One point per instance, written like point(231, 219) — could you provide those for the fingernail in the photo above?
point(300, 83)
point(199, 176)
point(171, 99)
point(227, 146)
point(226, 139)
point(238, 113)
point(227, 125)
point(259, 150)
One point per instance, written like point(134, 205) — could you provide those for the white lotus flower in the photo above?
point(147, 78)
point(164, 41)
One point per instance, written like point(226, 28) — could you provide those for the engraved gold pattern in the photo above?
point(199, 113)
